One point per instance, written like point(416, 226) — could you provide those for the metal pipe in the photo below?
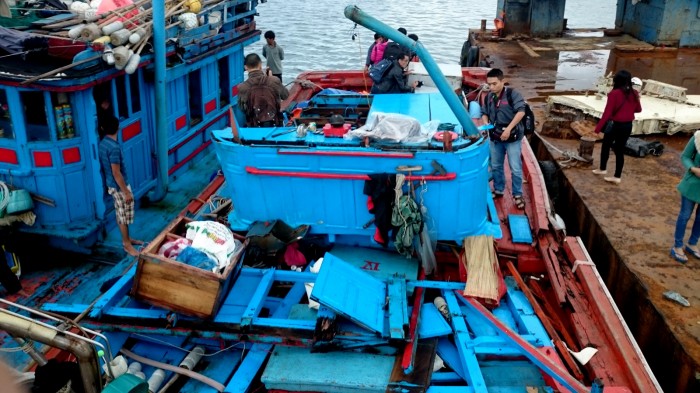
point(28, 348)
point(87, 358)
point(358, 16)
point(161, 101)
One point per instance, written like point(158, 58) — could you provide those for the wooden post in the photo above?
point(234, 126)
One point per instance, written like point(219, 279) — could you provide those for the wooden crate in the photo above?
point(179, 287)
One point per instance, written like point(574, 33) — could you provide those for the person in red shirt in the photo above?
point(623, 103)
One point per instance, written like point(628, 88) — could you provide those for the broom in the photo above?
point(481, 263)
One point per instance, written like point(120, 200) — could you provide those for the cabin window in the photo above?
point(122, 97)
point(5, 120)
point(194, 82)
point(63, 115)
point(35, 115)
point(134, 93)
point(224, 82)
point(128, 95)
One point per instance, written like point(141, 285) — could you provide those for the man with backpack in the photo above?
point(260, 95)
point(504, 108)
point(389, 77)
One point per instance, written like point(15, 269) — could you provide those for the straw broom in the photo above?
point(481, 263)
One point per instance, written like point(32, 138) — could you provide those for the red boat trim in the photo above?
point(603, 306)
point(194, 134)
point(71, 155)
point(189, 157)
point(337, 176)
point(344, 153)
point(200, 200)
point(409, 351)
point(131, 130)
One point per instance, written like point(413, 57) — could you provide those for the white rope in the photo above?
point(26, 347)
point(569, 156)
point(4, 196)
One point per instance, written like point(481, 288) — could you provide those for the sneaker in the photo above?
point(612, 179)
point(599, 172)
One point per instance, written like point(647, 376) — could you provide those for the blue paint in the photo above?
point(661, 22)
point(337, 372)
point(337, 206)
point(351, 293)
point(433, 324)
point(520, 228)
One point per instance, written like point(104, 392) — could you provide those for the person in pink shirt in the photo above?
point(623, 103)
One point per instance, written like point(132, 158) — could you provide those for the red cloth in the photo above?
point(623, 106)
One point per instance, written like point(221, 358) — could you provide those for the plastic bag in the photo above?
point(212, 238)
point(394, 127)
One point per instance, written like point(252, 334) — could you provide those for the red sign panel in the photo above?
point(234, 91)
point(8, 156)
point(71, 155)
point(180, 122)
point(131, 131)
point(42, 159)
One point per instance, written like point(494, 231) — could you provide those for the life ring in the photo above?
point(441, 134)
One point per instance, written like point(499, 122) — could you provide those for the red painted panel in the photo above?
point(131, 131)
point(42, 159)
point(8, 156)
point(210, 106)
point(71, 155)
point(234, 91)
point(180, 122)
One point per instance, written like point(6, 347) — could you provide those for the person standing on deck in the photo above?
point(260, 95)
point(274, 54)
point(623, 103)
point(689, 187)
point(112, 163)
point(395, 80)
point(375, 53)
point(504, 108)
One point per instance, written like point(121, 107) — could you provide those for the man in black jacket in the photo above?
point(395, 80)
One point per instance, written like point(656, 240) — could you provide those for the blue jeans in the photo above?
point(499, 150)
point(687, 207)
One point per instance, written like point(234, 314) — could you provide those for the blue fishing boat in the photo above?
point(52, 87)
point(352, 313)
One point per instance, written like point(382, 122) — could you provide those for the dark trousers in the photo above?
point(615, 139)
point(279, 76)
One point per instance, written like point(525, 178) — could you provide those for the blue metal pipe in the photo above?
point(161, 101)
point(358, 16)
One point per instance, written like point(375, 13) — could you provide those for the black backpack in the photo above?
point(529, 120)
point(263, 104)
point(379, 70)
point(394, 51)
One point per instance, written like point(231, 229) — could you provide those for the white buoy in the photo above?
point(118, 365)
point(137, 35)
point(120, 37)
point(121, 57)
point(134, 367)
point(156, 380)
point(90, 32)
point(75, 31)
point(132, 64)
point(112, 27)
point(189, 20)
point(90, 15)
point(108, 55)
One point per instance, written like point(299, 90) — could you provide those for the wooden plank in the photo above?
point(558, 343)
point(419, 378)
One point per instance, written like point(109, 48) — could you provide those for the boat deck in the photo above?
point(627, 228)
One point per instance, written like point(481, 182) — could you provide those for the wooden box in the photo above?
point(179, 287)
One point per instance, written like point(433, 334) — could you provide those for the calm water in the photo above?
point(316, 35)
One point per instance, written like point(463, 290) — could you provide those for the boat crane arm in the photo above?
point(358, 16)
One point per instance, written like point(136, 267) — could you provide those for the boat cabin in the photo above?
point(49, 127)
